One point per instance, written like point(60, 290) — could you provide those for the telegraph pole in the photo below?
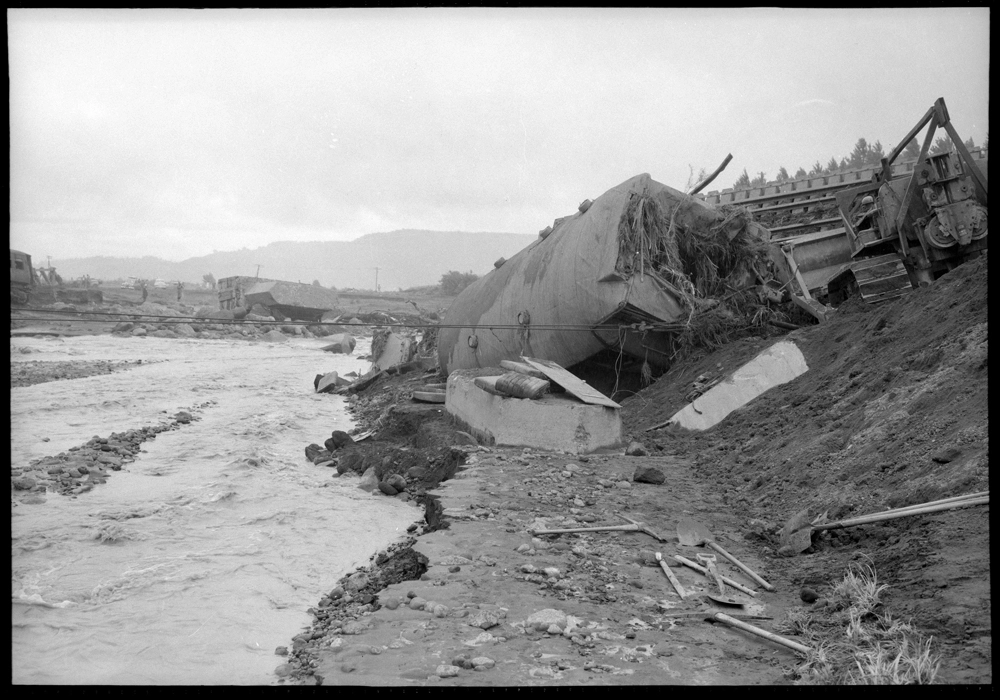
point(376, 280)
point(257, 275)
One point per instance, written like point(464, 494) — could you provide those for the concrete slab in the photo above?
point(398, 349)
point(780, 363)
point(553, 422)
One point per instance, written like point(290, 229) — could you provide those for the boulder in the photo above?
point(184, 330)
point(274, 337)
point(368, 480)
point(485, 619)
point(543, 619)
point(312, 451)
point(636, 449)
point(24, 483)
point(338, 439)
point(139, 332)
point(649, 475)
point(352, 461)
point(396, 481)
point(946, 455)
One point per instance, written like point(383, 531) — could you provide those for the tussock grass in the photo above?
point(855, 641)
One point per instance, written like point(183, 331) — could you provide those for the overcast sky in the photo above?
point(178, 132)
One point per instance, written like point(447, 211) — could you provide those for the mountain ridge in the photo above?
point(398, 259)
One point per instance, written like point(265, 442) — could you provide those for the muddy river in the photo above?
point(194, 562)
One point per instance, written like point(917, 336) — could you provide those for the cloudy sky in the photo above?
point(175, 133)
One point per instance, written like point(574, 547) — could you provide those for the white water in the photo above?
point(224, 534)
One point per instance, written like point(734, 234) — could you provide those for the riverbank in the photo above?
point(890, 414)
point(476, 600)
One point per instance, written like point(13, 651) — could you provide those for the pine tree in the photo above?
point(859, 156)
point(782, 174)
point(801, 173)
point(942, 144)
point(912, 150)
point(742, 182)
point(876, 154)
point(832, 166)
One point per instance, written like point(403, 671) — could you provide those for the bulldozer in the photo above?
point(904, 233)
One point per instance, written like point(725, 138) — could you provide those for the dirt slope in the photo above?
point(893, 411)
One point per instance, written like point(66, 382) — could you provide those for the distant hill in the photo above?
point(403, 259)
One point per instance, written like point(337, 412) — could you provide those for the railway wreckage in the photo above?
point(879, 231)
point(646, 271)
point(293, 300)
point(640, 271)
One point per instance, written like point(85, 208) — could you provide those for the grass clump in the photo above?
point(855, 641)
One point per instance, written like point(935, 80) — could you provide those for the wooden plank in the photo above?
point(522, 368)
point(570, 382)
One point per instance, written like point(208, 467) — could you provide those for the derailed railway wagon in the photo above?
point(607, 277)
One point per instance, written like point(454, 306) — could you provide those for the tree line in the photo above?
point(863, 155)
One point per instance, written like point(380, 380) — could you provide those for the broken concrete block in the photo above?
point(780, 363)
point(326, 383)
point(553, 422)
point(340, 343)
